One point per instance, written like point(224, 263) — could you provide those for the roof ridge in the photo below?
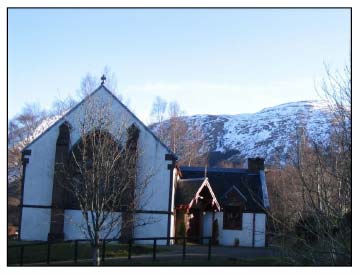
point(217, 169)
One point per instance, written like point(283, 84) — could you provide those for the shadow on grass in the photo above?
point(37, 253)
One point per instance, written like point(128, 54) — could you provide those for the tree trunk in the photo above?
point(96, 251)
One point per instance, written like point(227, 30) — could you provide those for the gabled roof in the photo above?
point(125, 107)
point(188, 191)
point(236, 190)
point(222, 180)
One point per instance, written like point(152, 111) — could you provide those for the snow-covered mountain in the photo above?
point(270, 133)
point(26, 136)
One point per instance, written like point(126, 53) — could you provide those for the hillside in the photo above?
point(270, 133)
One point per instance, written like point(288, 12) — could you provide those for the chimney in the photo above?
point(255, 164)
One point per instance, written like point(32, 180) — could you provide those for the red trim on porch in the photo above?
point(214, 199)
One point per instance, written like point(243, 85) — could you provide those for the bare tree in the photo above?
point(90, 82)
point(185, 139)
point(177, 127)
point(337, 91)
point(103, 176)
point(158, 114)
point(24, 127)
point(20, 132)
point(61, 105)
point(316, 189)
point(195, 148)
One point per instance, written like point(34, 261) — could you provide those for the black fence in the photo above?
point(49, 245)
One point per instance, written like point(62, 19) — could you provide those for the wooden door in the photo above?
point(194, 225)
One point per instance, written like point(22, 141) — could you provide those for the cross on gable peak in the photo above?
point(103, 78)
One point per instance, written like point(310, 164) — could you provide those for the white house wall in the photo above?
point(207, 226)
point(260, 230)
point(227, 237)
point(35, 223)
point(245, 236)
point(40, 169)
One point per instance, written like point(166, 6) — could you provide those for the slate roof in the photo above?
point(222, 180)
point(186, 190)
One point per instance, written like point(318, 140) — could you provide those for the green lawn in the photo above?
point(37, 253)
point(62, 254)
point(197, 261)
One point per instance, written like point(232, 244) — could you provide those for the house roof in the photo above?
point(125, 107)
point(186, 190)
point(223, 180)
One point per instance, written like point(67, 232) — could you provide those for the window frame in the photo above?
point(229, 223)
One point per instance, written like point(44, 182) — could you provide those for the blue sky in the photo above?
point(212, 61)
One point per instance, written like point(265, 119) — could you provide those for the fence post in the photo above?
point(75, 251)
point(129, 249)
point(154, 249)
point(209, 248)
point(184, 248)
point(48, 252)
point(21, 255)
point(103, 250)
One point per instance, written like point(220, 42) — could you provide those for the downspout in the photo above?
point(170, 167)
point(24, 162)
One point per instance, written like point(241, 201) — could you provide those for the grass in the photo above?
point(198, 261)
point(37, 253)
point(193, 261)
point(62, 254)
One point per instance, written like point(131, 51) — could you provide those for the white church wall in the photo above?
point(40, 169)
point(227, 237)
point(35, 224)
point(155, 225)
point(174, 185)
point(153, 167)
point(147, 226)
point(39, 174)
point(75, 226)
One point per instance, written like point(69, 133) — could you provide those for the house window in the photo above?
point(232, 217)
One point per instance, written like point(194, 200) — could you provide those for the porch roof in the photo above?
point(222, 180)
point(190, 191)
point(186, 190)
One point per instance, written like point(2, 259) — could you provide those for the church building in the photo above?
point(228, 204)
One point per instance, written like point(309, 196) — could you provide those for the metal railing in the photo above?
point(184, 244)
point(130, 243)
